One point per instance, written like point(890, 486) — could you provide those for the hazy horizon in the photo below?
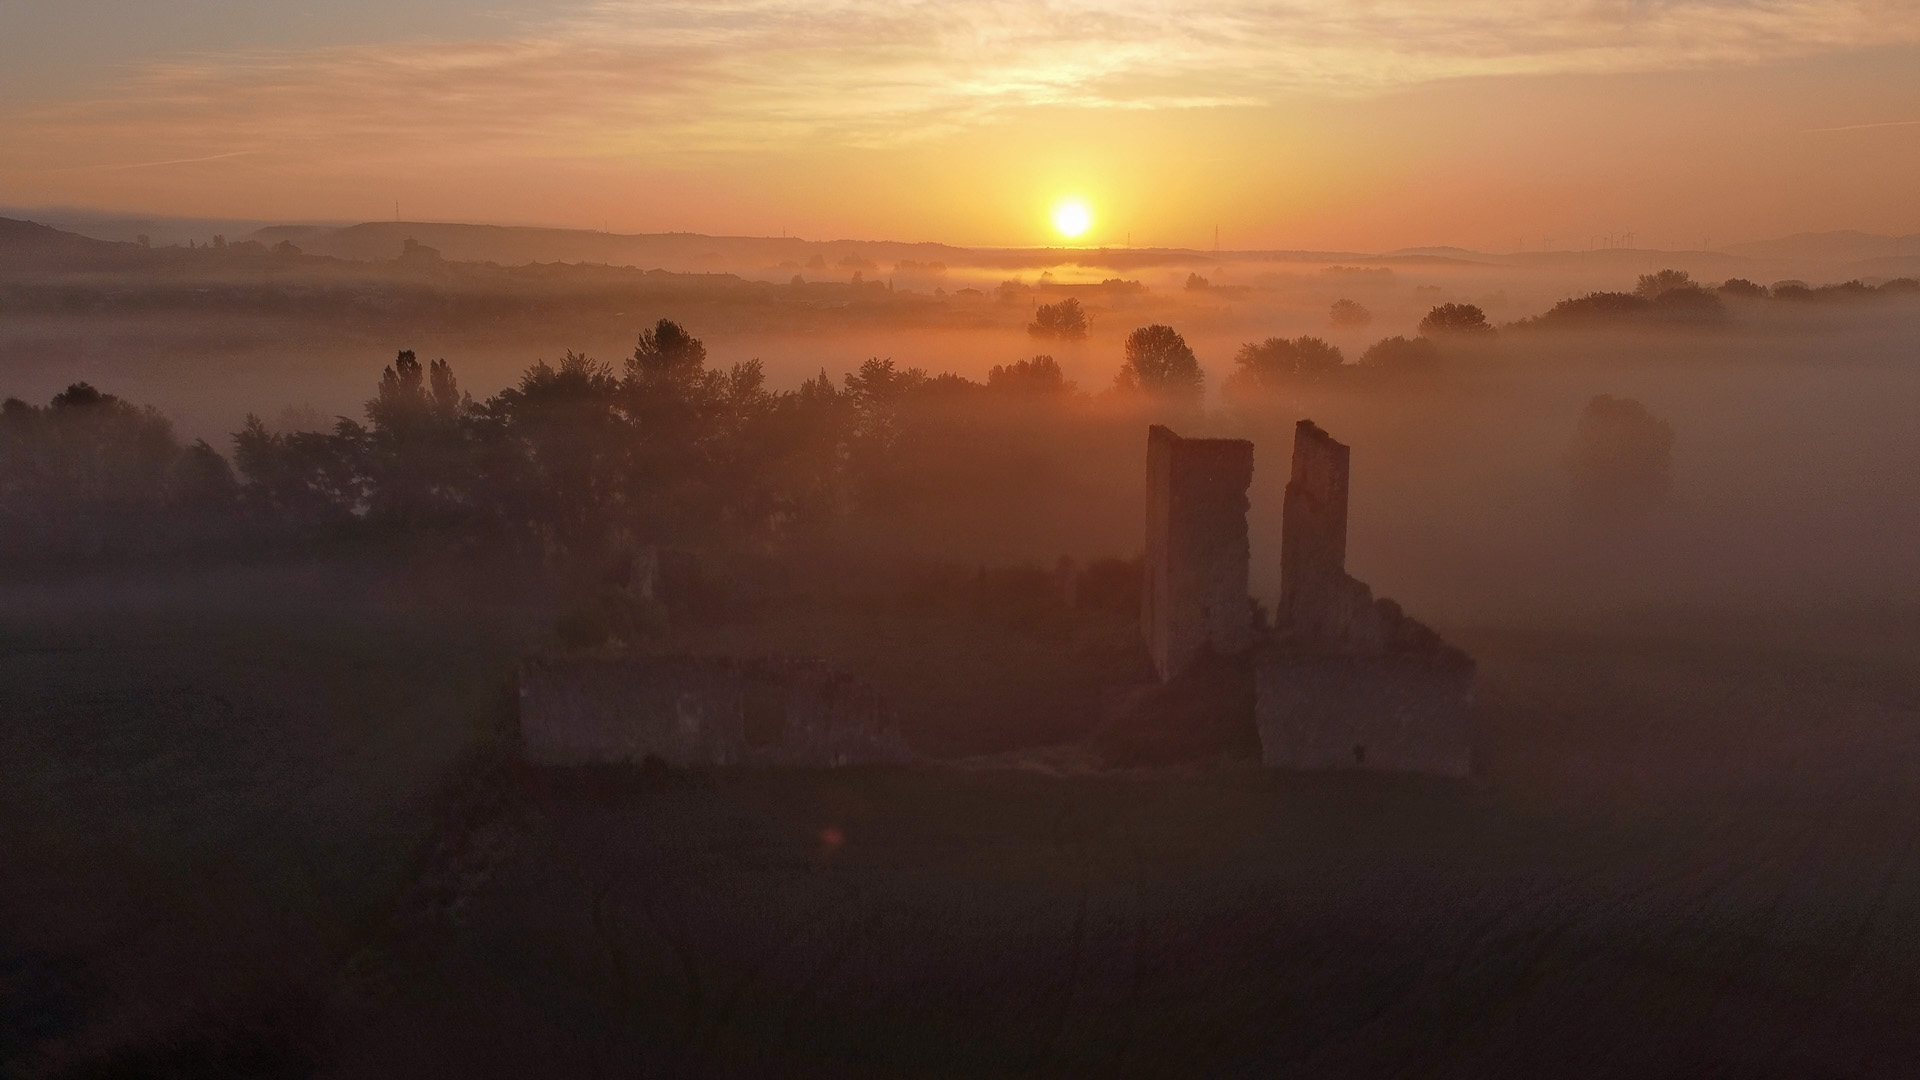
point(1315, 126)
point(958, 538)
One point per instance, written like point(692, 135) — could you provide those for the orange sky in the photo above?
point(1319, 124)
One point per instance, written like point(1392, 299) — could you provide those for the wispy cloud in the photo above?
point(1863, 127)
point(639, 77)
point(123, 166)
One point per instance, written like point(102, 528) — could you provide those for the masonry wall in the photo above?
point(1347, 679)
point(1194, 588)
point(1313, 543)
point(1395, 712)
point(696, 711)
point(1319, 601)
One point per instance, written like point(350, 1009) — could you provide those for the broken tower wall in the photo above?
point(1194, 589)
point(1395, 712)
point(698, 711)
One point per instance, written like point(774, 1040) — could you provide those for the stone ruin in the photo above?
point(683, 710)
point(1343, 679)
point(1194, 584)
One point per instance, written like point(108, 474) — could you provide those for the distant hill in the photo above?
point(1846, 246)
point(160, 230)
point(1890, 266)
point(28, 245)
point(519, 245)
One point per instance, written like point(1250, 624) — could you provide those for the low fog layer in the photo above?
point(1786, 403)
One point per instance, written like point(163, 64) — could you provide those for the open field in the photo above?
point(242, 836)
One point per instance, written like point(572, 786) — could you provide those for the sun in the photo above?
point(1072, 218)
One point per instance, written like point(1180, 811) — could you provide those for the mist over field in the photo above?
point(271, 566)
point(1788, 414)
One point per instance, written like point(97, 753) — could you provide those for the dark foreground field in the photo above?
point(256, 824)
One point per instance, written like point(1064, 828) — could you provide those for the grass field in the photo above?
point(245, 830)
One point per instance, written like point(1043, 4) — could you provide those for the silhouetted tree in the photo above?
point(1459, 319)
point(1399, 355)
point(90, 473)
point(555, 452)
point(1159, 363)
point(1196, 283)
point(667, 353)
point(1065, 319)
point(1651, 286)
point(202, 479)
point(304, 478)
point(1743, 287)
point(1278, 362)
point(1349, 313)
point(1622, 456)
point(417, 460)
point(1845, 290)
point(87, 453)
point(1038, 377)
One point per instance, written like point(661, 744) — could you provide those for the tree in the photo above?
point(1349, 313)
point(1653, 286)
point(1622, 456)
point(1159, 363)
point(1065, 319)
point(1459, 319)
point(417, 454)
point(1396, 355)
point(306, 478)
point(1038, 377)
point(1278, 362)
point(86, 449)
point(667, 353)
point(1196, 283)
point(555, 451)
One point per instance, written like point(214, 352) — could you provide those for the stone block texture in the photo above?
point(1348, 680)
point(687, 711)
point(1194, 588)
point(1395, 711)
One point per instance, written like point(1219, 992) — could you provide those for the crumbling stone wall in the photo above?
point(1349, 680)
point(697, 711)
point(1194, 589)
point(1394, 711)
point(1320, 603)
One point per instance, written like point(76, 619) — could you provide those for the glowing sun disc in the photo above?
point(1072, 218)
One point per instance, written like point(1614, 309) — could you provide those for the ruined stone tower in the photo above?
point(1313, 538)
point(1194, 588)
point(1349, 681)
